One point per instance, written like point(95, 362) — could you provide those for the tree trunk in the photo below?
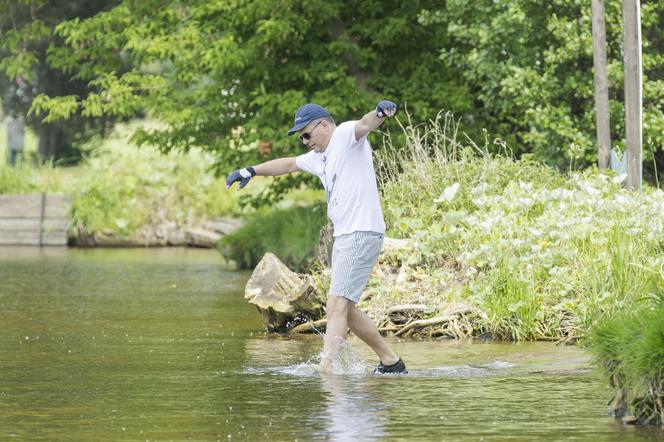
point(50, 141)
point(283, 298)
point(633, 92)
point(601, 85)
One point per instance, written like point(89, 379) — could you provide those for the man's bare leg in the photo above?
point(337, 311)
point(366, 330)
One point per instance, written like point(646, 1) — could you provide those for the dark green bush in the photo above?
point(630, 348)
point(291, 234)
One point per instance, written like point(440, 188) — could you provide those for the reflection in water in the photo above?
point(351, 409)
point(454, 391)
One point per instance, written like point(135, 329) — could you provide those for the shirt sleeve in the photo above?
point(349, 134)
point(309, 162)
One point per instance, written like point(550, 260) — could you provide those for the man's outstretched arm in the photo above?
point(279, 166)
point(375, 118)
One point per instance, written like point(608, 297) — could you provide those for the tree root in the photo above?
point(310, 327)
point(423, 323)
point(457, 321)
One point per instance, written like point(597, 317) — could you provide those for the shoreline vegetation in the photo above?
point(483, 244)
point(514, 250)
point(127, 196)
point(486, 245)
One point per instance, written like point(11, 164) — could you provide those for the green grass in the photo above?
point(292, 234)
point(124, 190)
point(630, 348)
point(514, 306)
point(546, 255)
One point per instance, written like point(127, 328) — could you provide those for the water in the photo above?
point(160, 344)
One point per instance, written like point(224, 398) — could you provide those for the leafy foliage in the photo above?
point(26, 36)
point(208, 68)
point(545, 255)
point(630, 348)
point(126, 191)
point(529, 67)
point(292, 234)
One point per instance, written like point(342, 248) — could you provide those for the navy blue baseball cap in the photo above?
point(306, 114)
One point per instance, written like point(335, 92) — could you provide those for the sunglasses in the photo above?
point(306, 136)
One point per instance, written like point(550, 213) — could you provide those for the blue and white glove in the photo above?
point(385, 108)
point(242, 175)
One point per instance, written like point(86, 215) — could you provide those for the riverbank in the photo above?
point(494, 247)
point(513, 250)
point(122, 195)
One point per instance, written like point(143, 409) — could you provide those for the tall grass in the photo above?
point(630, 348)
point(544, 254)
point(292, 234)
point(19, 179)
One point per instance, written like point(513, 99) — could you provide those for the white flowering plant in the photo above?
point(544, 254)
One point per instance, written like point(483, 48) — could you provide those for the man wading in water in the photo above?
point(341, 157)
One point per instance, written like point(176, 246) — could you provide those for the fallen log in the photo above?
point(310, 327)
point(424, 323)
point(399, 314)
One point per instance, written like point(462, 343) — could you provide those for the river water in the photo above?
point(154, 344)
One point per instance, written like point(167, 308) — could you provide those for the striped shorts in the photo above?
point(353, 258)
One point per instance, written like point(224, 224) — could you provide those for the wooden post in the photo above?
point(35, 219)
point(601, 85)
point(42, 211)
point(633, 91)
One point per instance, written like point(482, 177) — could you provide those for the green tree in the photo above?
point(528, 66)
point(227, 75)
point(26, 36)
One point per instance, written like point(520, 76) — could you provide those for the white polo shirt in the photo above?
point(347, 172)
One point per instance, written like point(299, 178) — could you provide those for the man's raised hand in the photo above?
point(386, 108)
point(241, 175)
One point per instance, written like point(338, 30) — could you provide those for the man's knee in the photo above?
point(338, 306)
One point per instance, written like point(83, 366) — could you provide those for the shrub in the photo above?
point(630, 348)
point(291, 234)
point(545, 254)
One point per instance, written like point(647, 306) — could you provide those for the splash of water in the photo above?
point(348, 361)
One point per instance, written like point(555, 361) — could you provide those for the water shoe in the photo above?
point(397, 368)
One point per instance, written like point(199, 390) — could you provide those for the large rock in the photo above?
point(283, 298)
